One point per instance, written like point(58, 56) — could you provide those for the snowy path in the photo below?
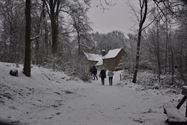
point(110, 105)
point(105, 105)
point(52, 98)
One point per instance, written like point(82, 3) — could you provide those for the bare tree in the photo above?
point(158, 45)
point(143, 13)
point(12, 22)
point(27, 60)
point(53, 9)
point(80, 22)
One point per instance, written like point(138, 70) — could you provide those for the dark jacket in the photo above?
point(94, 70)
point(102, 74)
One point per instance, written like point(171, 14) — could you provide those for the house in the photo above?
point(93, 59)
point(114, 59)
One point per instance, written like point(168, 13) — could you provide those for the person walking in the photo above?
point(94, 73)
point(110, 77)
point(91, 71)
point(102, 75)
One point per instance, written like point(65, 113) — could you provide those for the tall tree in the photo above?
point(12, 25)
point(53, 9)
point(157, 50)
point(39, 42)
point(143, 13)
point(80, 22)
point(27, 60)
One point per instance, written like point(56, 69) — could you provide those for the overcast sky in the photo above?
point(118, 17)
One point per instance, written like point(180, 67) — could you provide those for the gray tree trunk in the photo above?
point(143, 14)
point(172, 66)
point(54, 29)
point(27, 60)
point(166, 47)
point(158, 50)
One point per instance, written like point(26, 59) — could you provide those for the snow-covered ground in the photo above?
point(53, 98)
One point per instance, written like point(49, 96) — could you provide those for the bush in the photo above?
point(85, 77)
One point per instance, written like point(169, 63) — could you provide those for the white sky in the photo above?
point(118, 17)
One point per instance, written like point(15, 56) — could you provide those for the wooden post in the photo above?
point(186, 108)
point(184, 92)
point(181, 102)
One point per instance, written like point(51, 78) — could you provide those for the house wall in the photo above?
point(109, 64)
point(112, 63)
point(120, 59)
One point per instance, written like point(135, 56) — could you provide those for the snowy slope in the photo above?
point(52, 98)
point(23, 98)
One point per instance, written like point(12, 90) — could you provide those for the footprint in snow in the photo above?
point(68, 92)
point(58, 93)
point(138, 120)
point(58, 113)
point(50, 117)
point(118, 108)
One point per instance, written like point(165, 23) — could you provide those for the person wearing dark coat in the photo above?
point(94, 71)
point(91, 71)
point(102, 75)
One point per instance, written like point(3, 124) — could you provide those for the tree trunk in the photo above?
point(137, 54)
point(37, 52)
point(27, 60)
point(143, 14)
point(181, 64)
point(79, 44)
point(46, 44)
point(54, 29)
point(53, 9)
point(158, 51)
point(169, 62)
point(186, 61)
point(166, 47)
point(172, 66)
point(46, 39)
point(172, 63)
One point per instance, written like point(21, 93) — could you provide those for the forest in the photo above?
point(54, 34)
point(53, 64)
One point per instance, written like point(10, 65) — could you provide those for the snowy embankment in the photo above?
point(53, 98)
point(26, 99)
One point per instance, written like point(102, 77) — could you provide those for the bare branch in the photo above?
point(134, 11)
point(35, 38)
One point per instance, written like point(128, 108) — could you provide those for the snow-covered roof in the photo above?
point(112, 53)
point(99, 63)
point(93, 57)
point(99, 58)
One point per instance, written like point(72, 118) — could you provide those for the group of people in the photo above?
point(93, 72)
point(102, 75)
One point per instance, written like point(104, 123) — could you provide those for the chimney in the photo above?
point(103, 52)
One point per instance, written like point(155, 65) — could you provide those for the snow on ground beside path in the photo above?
point(23, 98)
point(53, 98)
